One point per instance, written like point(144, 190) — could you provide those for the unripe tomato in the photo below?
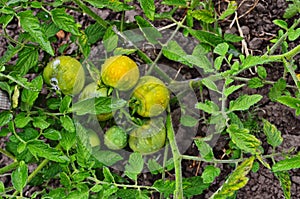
point(65, 73)
point(148, 138)
point(115, 138)
point(94, 90)
point(120, 72)
point(93, 138)
point(150, 97)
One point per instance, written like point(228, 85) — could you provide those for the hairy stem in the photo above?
point(9, 167)
point(178, 193)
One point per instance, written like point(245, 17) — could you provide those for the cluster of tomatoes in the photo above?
point(148, 100)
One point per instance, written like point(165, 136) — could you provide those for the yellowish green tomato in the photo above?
point(66, 74)
point(148, 138)
point(115, 138)
point(120, 72)
point(150, 97)
point(95, 90)
point(93, 138)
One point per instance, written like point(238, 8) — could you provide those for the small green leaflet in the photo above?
point(5, 117)
point(244, 102)
point(68, 139)
point(108, 158)
point(191, 186)
point(203, 15)
point(255, 82)
point(110, 40)
point(65, 104)
point(245, 141)
point(27, 58)
point(108, 177)
point(285, 182)
point(290, 102)
point(287, 164)
point(208, 107)
point(134, 166)
point(40, 122)
point(67, 123)
point(210, 84)
point(235, 181)
point(98, 105)
point(277, 89)
point(189, 121)
point(40, 149)
point(30, 95)
point(64, 21)
point(205, 149)
point(231, 8)
point(210, 173)
point(221, 49)
point(174, 2)
point(232, 89)
point(150, 32)
point(154, 167)
point(31, 25)
point(115, 5)
point(94, 32)
point(19, 176)
point(273, 134)
point(292, 9)
point(148, 8)
point(174, 51)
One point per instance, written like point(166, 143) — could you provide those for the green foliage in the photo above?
point(48, 131)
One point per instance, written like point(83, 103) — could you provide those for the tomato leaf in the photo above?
point(210, 173)
point(98, 105)
point(232, 89)
point(27, 59)
point(205, 149)
point(5, 117)
point(287, 164)
point(273, 134)
point(40, 122)
point(208, 107)
point(110, 40)
point(189, 121)
point(19, 176)
point(52, 134)
point(67, 123)
point(64, 21)
point(148, 8)
point(149, 31)
point(68, 139)
point(245, 141)
point(210, 84)
point(40, 149)
point(244, 102)
point(31, 25)
point(285, 182)
point(191, 186)
point(235, 181)
point(134, 166)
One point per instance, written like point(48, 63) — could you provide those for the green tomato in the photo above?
point(148, 138)
point(94, 90)
point(120, 72)
point(115, 138)
point(66, 74)
point(150, 97)
point(93, 138)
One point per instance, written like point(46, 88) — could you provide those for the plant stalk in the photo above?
point(178, 193)
point(9, 167)
point(91, 13)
